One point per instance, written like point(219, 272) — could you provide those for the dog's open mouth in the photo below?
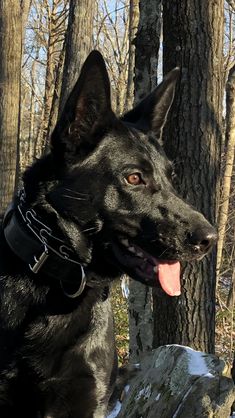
point(141, 265)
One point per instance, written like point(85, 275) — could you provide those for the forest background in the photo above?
point(43, 44)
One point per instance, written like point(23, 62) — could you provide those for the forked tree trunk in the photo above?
point(78, 43)
point(193, 39)
point(10, 73)
point(147, 46)
point(54, 33)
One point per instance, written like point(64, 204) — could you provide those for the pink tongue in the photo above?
point(169, 277)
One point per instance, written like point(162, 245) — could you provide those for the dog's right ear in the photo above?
point(86, 114)
point(151, 113)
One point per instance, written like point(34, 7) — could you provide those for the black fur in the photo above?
point(57, 355)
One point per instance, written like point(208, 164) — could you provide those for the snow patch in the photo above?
point(114, 413)
point(126, 389)
point(144, 393)
point(158, 397)
point(197, 365)
point(137, 366)
point(196, 362)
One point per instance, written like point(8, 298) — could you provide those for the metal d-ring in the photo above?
point(80, 289)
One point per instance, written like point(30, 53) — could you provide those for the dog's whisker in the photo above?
point(75, 192)
point(163, 252)
point(93, 228)
point(74, 197)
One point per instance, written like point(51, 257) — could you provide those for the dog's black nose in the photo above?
point(202, 239)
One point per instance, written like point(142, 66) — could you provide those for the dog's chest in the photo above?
point(71, 344)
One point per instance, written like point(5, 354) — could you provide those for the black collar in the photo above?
point(33, 242)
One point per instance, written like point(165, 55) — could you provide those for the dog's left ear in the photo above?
point(87, 112)
point(151, 113)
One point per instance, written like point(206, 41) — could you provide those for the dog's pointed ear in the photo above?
point(87, 110)
point(151, 113)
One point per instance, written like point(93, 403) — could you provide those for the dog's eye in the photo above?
point(135, 179)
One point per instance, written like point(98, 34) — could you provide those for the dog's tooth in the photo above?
point(132, 250)
point(140, 254)
point(155, 269)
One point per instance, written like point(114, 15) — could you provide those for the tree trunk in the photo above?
point(56, 95)
point(147, 46)
point(229, 160)
point(133, 25)
point(78, 43)
point(193, 39)
point(31, 137)
point(25, 7)
point(230, 303)
point(10, 73)
point(50, 73)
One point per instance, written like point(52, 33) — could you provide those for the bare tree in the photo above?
point(112, 39)
point(78, 43)
point(229, 161)
point(193, 39)
point(232, 4)
point(56, 95)
point(147, 47)
point(32, 110)
point(56, 31)
point(25, 7)
point(133, 26)
point(10, 71)
point(229, 45)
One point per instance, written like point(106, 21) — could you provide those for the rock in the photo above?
point(178, 382)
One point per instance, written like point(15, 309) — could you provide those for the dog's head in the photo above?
point(109, 188)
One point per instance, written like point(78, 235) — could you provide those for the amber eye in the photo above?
point(135, 179)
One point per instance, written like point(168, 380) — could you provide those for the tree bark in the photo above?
point(31, 137)
point(10, 73)
point(193, 39)
point(56, 96)
point(230, 303)
point(229, 161)
point(78, 43)
point(146, 59)
point(25, 7)
point(133, 26)
point(56, 30)
point(147, 46)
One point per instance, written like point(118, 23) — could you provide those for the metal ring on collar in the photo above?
point(80, 289)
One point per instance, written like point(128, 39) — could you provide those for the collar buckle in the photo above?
point(39, 261)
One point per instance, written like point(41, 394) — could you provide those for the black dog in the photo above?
point(99, 204)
